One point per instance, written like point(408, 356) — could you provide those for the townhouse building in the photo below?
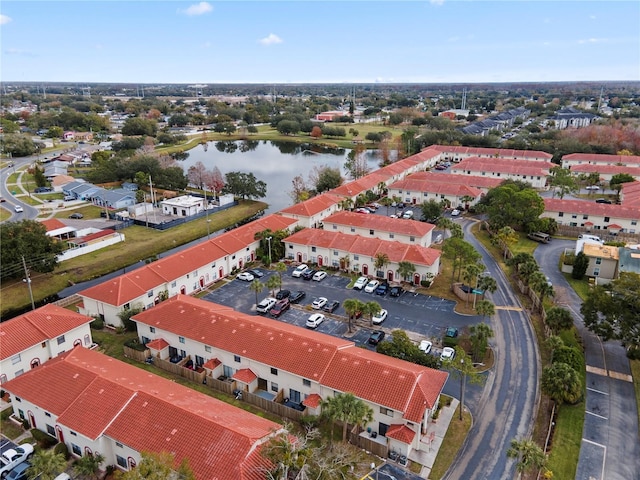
point(29, 340)
point(422, 187)
point(294, 365)
point(592, 216)
point(330, 247)
point(534, 172)
point(484, 184)
point(630, 194)
point(572, 159)
point(312, 212)
point(603, 261)
point(184, 272)
point(96, 404)
point(606, 171)
point(456, 153)
point(410, 232)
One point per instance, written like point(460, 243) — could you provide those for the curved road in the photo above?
point(507, 407)
point(610, 448)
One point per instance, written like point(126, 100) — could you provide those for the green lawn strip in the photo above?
point(9, 429)
point(455, 436)
point(140, 243)
point(567, 437)
point(635, 371)
point(581, 287)
point(4, 213)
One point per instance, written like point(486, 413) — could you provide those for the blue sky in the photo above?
point(437, 41)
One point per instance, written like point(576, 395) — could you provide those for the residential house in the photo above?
point(410, 232)
point(68, 135)
point(29, 340)
point(534, 172)
point(89, 240)
point(572, 159)
point(60, 181)
point(630, 194)
point(484, 184)
point(592, 216)
point(330, 247)
point(57, 229)
point(330, 116)
point(183, 206)
point(421, 187)
point(312, 212)
point(114, 199)
point(569, 117)
point(606, 172)
point(277, 360)
point(603, 261)
point(456, 153)
point(499, 122)
point(95, 403)
point(185, 272)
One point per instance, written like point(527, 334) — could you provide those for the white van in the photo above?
point(300, 269)
point(63, 476)
point(539, 237)
point(593, 238)
point(408, 214)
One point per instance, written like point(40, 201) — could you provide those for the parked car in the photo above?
point(18, 209)
point(318, 303)
point(299, 270)
point(448, 353)
point(376, 337)
point(280, 307)
point(256, 272)
point(315, 320)
point(265, 305)
point(295, 297)
point(380, 317)
point(603, 200)
point(13, 457)
point(362, 210)
point(371, 286)
point(308, 274)
point(408, 214)
point(452, 332)
point(76, 215)
point(43, 190)
point(19, 472)
point(440, 166)
point(331, 306)
point(245, 277)
point(455, 212)
point(319, 276)
point(360, 283)
point(283, 294)
point(382, 289)
point(396, 291)
point(425, 346)
point(592, 187)
point(68, 198)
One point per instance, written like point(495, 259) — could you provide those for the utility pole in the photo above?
point(269, 242)
point(27, 279)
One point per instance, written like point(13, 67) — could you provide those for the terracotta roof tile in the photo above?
point(245, 375)
point(603, 158)
point(312, 401)
point(606, 169)
point(32, 328)
point(504, 165)
point(379, 222)
point(500, 152)
point(52, 224)
point(158, 344)
point(314, 205)
point(452, 187)
point(469, 180)
point(401, 433)
point(212, 363)
point(591, 208)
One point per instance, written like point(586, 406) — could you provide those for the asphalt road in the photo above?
point(610, 446)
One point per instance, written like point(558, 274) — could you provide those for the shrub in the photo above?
point(571, 356)
point(62, 448)
point(425, 283)
point(44, 440)
point(97, 324)
point(310, 421)
point(450, 342)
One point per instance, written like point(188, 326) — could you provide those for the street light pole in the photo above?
point(27, 279)
point(269, 242)
point(208, 230)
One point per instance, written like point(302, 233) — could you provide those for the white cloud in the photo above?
point(198, 9)
point(4, 19)
point(436, 2)
point(270, 39)
point(592, 40)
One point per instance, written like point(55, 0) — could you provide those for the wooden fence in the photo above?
point(221, 385)
point(369, 444)
point(136, 354)
point(272, 406)
point(179, 369)
point(70, 300)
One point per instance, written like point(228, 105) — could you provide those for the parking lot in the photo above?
point(421, 315)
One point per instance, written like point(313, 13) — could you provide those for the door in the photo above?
point(201, 282)
point(262, 384)
point(299, 257)
point(365, 270)
point(319, 260)
point(221, 272)
point(390, 276)
point(32, 420)
point(416, 279)
point(183, 290)
point(59, 434)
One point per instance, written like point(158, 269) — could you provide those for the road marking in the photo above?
point(604, 456)
point(609, 373)
point(506, 307)
point(621, 376)
point(597, 391)
point(596, 415)
point(594, 443)
point(597, 370)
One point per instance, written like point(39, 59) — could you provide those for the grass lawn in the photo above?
point(452, 442)
point(581, 287)
point(4, 213)
point(9, 429)
point(567, 436)
point(140, 243)
point(635, 371)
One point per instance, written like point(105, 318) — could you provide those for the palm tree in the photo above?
point(380, 260)
point(530, 456)
point(562, 383)
point(46, 465)
point(370, 309)
point(256, 286)
point(553, 343)
point(345, 262)
point(361, 200)
point(386, 202)
point(559, 318)
point(329, 408)
point(487, 284)
point(485, 308)
point(272, 283)
point(352, 306)
point(381, 187)
point(505, 237)
point(396, 199)
point(445, 224)
point(406, 269)
point(89, 465)
point(466, 199)
point(280, 267)
point(527, 269)
point(347, 408)
point(470, 275)
point(346, 204)
point(480, 335)
point(540, 285)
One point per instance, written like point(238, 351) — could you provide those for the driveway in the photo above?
point(610, 448)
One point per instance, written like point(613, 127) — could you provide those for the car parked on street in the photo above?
point(319, 276)
point(331, 306)
point(455, 212)
point(452, 332)
point(380, 317)
point(43, 190)
point(280, 307)
point(376, 337)
point(76, 216)
point(265, 305)
point(318, 303)
point(315, 320)
point(18, 209)
point(371, 286)
point(296, 296)
point(245, 277)
point(19, 472)
point(382, 289)
point(283, 294)
point(361, 283)
point(13, 457)
point(299, 270)
point(396, 291)
point(256, 272)
point(407, 214)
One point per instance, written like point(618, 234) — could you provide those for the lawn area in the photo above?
point(635, 372)
point(567, 436)
point(5, 214)
point(452, 442)
point(581, 287)
point(9, 429)
point(140, 243)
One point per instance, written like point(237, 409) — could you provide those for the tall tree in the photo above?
point(46, 465)
point(244, 185)
point(558, 319)
point(89, 465)
point(371, 309)
point(505, 238)
point(352, 306)
point(562, 181)
point(406, 269)
point(481, 333)
point(256, 286)
point(356, 163)
point(280, 268)
point(512, 204)
point(580, 265)
point(347, 408)
point(158, 466)
point(432, 212)
point(462, 368)
point(460, 252)
point(562, 383)
point(529, 455)
point(380, 260)
point(328, 178)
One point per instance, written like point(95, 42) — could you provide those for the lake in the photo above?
point(275, 163)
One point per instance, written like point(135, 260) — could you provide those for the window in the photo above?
point(335, 227)
point(274, 371)
point(73, 433)
point(76, 449)
point(126, 306)
point(335, 253)
point(173, 284)
point(181, 339)
point(21, 414)
point(561, 214)
point(412, 239)
point(386, 411)
point(634, 222)
point(207, 348)
point(606, 219)
point(121, 461)
point(15, 359)
point(19, 372)
point(356, 257)
point(596, 272)
point(43, 344)
point(274, 387)
point(199, 361)
point(599, 261)
point(47, 414)
point(585, 217)
point(152, 329)
point(391, 235)
point(150, 293)
point(51, 431)
point(371, 232)
point(236, 358)
point(313, 249)
point(574, 216)
point(61, 340)
point(87, 339)
point(118, 444)
point(306, 383)
point(353, 229)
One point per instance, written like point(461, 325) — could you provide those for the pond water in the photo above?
point(275, 163)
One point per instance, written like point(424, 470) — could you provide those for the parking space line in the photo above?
point(596, 415)
point(604, 447)
point(596, 370)
point(597, 391)
point(507, 307)
point(604, 455)
point(621, 376)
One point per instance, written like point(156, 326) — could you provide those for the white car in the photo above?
point(265, 305)
point(300, 269)
point(319, 276)
point(408, 214)
point(425, 346)
point(380, 317)
point(360, 283)
point(315, 320)
point(18, 209)
point(13, 457)
point(455, 212)
point(393, 215)
point(592, 187)
point(448, 353)
point(246, 276)
point(371, 286)
point(318, 303)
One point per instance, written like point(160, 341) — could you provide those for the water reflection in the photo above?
point(273, 162)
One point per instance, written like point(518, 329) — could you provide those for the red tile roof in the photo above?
point(468, 180)
point(614, 226)
point(453, 187)
point(96, 394)
point(606, 169)
point(504, 165)
point(603, 158)
point(245, 375)
point(492, 152)
point(591, 208)
point(630, 194)
point(401, 433)
point(52, 224)
point(361, 185)
point(212, 363)
point(33, 328)
point(158, 344)
point(378, 222)
point(313, 206)
point(396, 251)
point(312, 401)
point(330, 361)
